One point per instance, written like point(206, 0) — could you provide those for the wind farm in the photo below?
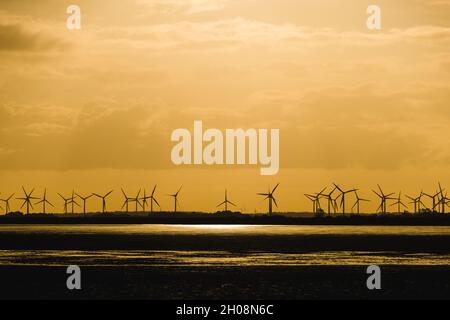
point(339, 205)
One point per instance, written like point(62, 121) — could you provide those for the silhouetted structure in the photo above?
point(27, 199)
point(44, 202)
point(342, 196)
point(66, 202)
point(126, 201)
point(103, 199)
point(226, 202)
point(399, 203)
point(269, 196)
point(358, 202)
point(84, 199)
point(384, 198)
point(6, 201)
point(175, 198)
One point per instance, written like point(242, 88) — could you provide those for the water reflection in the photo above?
point(216, 259)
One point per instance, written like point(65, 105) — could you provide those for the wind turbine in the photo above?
point(66, 202)
point(44, 202)
point(443, 201)
point(152, 200)
point(315, 199)
point(331, 201)
point(84, 199)
point(27, 200)
point(269, 196)
point(417, 202)
point(342, 196)
point(358, 202)
point(226, 202)
point(103, 199)
point(138, 203)
point(73, 202)
point(399, 203)
point(175, 199)
point(433, 199)
point(384, 198)
point(127, 200)
point(6, 201)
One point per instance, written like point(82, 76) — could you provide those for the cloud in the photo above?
point(186, 7)
point(15, 37)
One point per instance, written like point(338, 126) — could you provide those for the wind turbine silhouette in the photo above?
point(175, 197)
point(44, 202)
point(137, 200)
point(73, 202)
point(145, 199)
point(27, 200)
point(399, 203)
point(315, 199)
point(331, 201)
point(152, 200)
point(103, 199)
point(127, 201)
point(443, 199)
point(269, 196)
point(84, 199)
point(417, 202)
point(226, 202)
point(358, 202)
point(6, 201)
point(342, 196)
point(66, 202)
point(433, 198)
point(384, 198)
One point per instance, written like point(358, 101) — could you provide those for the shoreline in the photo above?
point(230, 219)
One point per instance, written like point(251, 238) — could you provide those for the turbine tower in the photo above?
point(6, 201)
point(417, 202)
point(73, 202)
point(226, 202)
point(358, 202)
point(269, 196)
point(126, 201)
point(331, 201)
point(103, 199)
point(443, 200)
point(399, 203)
point(84, 199)
point(384, 198)
point(136, 200)
point(342, 196)
point(44, 202)
point(175, 199)
point(66, 202)
point(315, 199)
point(433, 199)
point(27, 199)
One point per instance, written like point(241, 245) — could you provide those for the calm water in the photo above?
point(238, 230)
point(217, 258)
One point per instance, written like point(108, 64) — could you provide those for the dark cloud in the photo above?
point(15, 37)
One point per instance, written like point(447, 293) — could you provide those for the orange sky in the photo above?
point(94, 109)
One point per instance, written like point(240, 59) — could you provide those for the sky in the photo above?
point(94, 109)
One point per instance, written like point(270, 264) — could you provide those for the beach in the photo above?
point(224, 262)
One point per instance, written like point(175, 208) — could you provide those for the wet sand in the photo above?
point(25, 280)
